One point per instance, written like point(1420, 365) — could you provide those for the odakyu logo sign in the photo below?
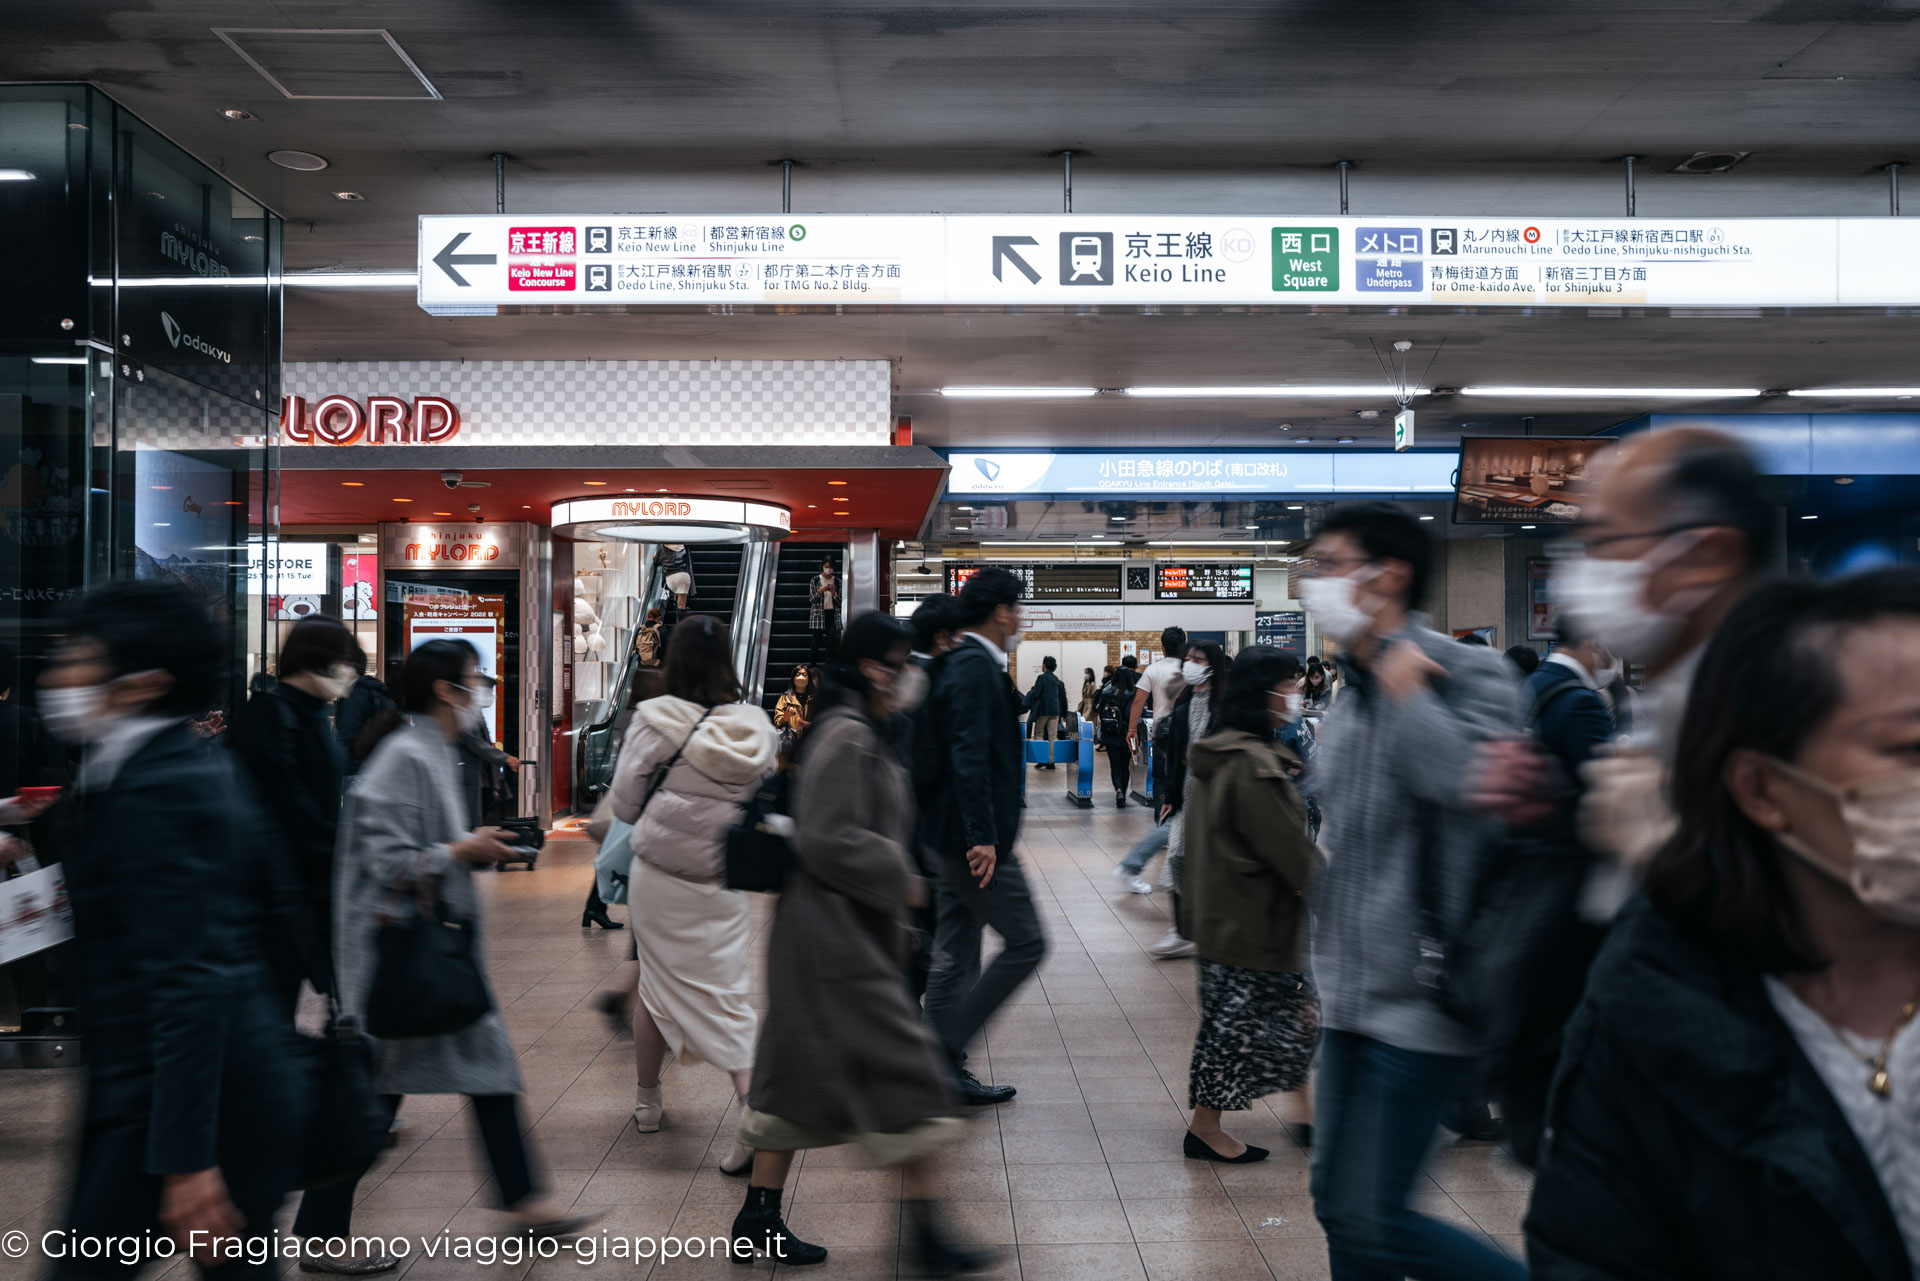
point(997, 473)
point(179, 337)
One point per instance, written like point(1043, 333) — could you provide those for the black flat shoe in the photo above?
point(767, 1233)
point(1199, 1151)
point(598, 916)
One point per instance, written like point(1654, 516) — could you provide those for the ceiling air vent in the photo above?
point(1711, 161)
point(344, 64)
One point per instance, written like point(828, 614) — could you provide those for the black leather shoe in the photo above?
point(972, 1090)
point(1199, 1151)
point(1119, 800)
point(936, 1253)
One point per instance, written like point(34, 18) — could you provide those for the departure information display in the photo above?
point(1050, 582)
point(1207, 580)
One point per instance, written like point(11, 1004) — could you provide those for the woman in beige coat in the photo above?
point(844, 1056)
point(691, 758)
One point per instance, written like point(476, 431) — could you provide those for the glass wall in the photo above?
point(139, 371)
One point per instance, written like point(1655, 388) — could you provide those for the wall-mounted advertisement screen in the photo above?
point(480, 620)
point(1524, 480)
point(1206, 580)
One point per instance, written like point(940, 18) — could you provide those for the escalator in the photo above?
point(791, 639)
point(716, 591)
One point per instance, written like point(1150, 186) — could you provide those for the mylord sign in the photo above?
point(671, 518)
point(492, 260)
point(1194, 472)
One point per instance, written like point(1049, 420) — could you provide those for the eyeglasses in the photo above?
point(1331, 566)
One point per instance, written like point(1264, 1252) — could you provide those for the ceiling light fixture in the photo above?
point(403, 500)
point(1843, 480)
point(1118, 518)
point(1527, 527)
point(16, 175)
point(1019, 393)
point(1615, 393)
point(1252, 527)
point(836, 482)
point(348, 195)
point(593, 482)
point(443, 513)
point(1344, 440)
point(300, 161)
point(1296, 507)
point(1857, 393)
point(1320, 391)
point(235, 113)
point(1809, 518)
point(59, 360)
point(1303, 440)
point(1426, 518)
point(353, 484)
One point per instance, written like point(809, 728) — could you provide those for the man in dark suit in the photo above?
point(1571, 722)
point(976, 728)
point(194, 1115)
point(1045, 704)
point(933, 624)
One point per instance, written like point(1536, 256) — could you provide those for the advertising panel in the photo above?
point(478, 618)
point(1201, 472)
point(1529, 480)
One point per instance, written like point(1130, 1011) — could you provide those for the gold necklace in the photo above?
point(1880, 1082)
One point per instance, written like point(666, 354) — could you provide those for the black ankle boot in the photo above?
point(759, 1221)
point(937, 1254)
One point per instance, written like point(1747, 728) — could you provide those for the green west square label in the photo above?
point(1306, 259)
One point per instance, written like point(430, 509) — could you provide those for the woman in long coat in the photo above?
point(844, 1056)
point(404, 832)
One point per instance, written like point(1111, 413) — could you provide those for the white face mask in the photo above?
point(1883, 818)
point(76, 714)
point(1195, 673)
point(335, 684)
point(482, 696)
point(1295, 704)
point(909, 689)
point(1607, 599)
point(1331, 602)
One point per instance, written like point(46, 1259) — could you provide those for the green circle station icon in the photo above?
point(796, 232)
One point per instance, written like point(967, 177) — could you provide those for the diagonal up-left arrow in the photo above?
point(446, 259)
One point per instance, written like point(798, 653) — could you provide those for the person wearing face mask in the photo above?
point(1740, 1092)
point(1195, 716)
point(485, 767)
point(1244, 874)
point(1045, 704)
point(193, 1111)
point(843, 1057)
point(285, 740)
point(1316, 687)
point(974, 824)
point(1403, 844)
point(1677, 528)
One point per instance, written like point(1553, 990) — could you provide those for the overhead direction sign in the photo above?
point(1238, 260)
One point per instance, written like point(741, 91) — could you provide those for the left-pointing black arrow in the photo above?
point(446, 259)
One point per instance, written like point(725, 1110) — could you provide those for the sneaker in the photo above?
point(1133, 883)
point(1171, 947)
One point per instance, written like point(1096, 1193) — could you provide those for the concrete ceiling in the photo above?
point(621, 106)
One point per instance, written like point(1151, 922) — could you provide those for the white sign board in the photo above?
point(287, 569)
point(1066, 259)
point(34, 913)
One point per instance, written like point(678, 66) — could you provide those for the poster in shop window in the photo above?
point(1543, 615)
point(478, 619)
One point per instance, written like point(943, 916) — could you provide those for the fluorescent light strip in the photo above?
point(1858, 393)
point(59, 360)
point(16, 175)
point(1335, 391)
point(1019, 393)
point(304, 280)
point(1615, 393)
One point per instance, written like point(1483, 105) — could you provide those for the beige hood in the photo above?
point(734, 744)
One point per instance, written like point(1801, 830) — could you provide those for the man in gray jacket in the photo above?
point(1398, 757)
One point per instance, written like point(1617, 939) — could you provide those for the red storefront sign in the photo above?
point(386, 420)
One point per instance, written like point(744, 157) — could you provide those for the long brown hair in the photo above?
point(700, 662)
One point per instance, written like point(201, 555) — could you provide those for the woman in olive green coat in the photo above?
point(1247, 863)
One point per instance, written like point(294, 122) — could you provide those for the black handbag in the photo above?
point(426, 980)
point(759, 853)
point(349, 1123)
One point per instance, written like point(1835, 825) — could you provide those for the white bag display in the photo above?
point(34, 913)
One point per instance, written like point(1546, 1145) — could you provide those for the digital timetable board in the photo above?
point(1206, 580)
point(1050, 582)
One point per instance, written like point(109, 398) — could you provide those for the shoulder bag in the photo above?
point(349, 1124)
point(426, 977)
point(759, 850)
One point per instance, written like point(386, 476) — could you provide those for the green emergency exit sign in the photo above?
point(1306, 259)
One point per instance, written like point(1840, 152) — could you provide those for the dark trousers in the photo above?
point(1120, 762)
point(824, 637)
point(1374, 1112)
point(328, 1212)
point(961, 997)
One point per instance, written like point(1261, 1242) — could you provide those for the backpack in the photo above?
point(647, 645)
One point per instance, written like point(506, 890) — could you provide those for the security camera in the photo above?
point(451, 479)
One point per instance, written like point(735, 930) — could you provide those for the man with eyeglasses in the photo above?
point(1400, 756)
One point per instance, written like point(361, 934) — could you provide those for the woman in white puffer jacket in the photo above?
point(701, 753)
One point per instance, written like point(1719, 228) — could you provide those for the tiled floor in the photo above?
point(1081, 1176)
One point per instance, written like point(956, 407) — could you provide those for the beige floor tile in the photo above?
point(1203, 1261)
point(1070, 1222)
point(1181, 1178)
point(1090, 1181)
point(1297, 1258)
point(1183, 1219)
point(830, 1224)
point(1081, 1262)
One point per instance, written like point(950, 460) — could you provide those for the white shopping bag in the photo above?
point(34, 913)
